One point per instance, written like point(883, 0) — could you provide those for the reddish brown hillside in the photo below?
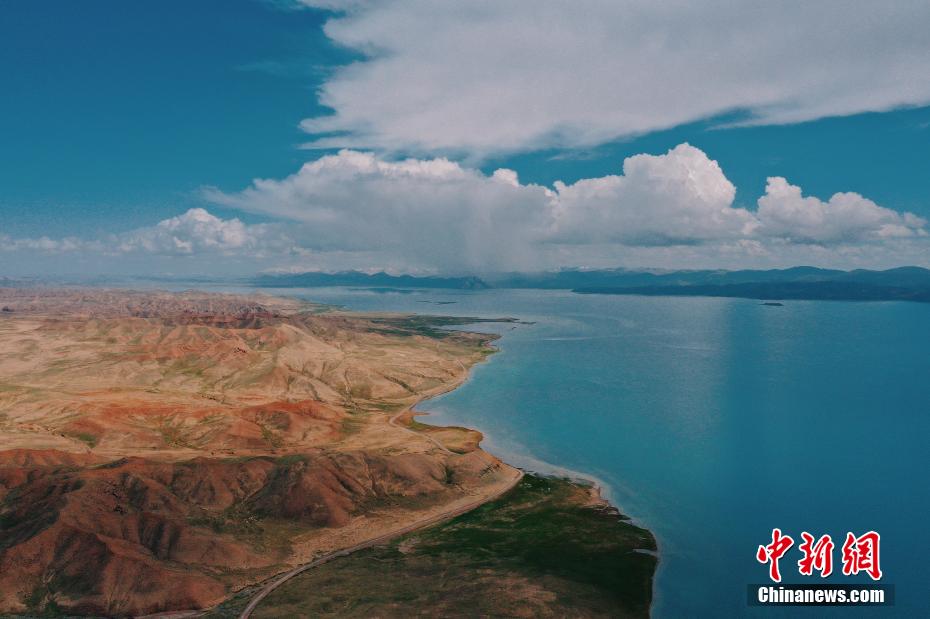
point(162, 451)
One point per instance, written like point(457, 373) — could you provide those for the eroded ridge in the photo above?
point(161, 451)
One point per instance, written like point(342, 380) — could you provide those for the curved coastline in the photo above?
point(530, 464)
point(599, 492)
point(524, 461)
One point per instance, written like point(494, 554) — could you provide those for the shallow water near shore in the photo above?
point(711, 421)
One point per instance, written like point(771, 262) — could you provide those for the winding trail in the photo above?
point(516, 476)
point(419, 524)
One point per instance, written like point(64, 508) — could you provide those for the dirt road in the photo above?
point(409, 528)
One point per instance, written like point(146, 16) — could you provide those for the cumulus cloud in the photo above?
point(195, 232)
point(488, 77)
point(845, 217)
point(430, 212)
point(361, 210)
point(198, 231)
point(681, 197)
point(436, 214)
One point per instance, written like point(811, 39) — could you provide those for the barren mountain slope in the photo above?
point(160, 451)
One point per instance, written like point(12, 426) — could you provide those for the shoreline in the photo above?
point(526, 462)
point(551, 535)
point(601, 490)
point(534, 466)
point(598, 490)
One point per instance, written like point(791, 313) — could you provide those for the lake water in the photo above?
point(711, 421)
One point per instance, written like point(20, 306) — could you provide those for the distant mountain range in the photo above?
point(903, 283)
point(823, 291)
point(624, 278)
point(900, 284)
point(316, 279)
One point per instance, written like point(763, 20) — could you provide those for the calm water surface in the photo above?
point(711, 421)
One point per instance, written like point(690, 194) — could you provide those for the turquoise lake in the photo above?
point(711, 421)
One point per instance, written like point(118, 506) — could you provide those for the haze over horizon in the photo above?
point(255, 136)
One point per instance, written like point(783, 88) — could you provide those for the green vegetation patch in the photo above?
point(270, 436)
point(430, 326)
point(291, 459)
point(84, 437)
point(351, 425)
point(40, 603)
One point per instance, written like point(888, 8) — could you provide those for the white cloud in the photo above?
point(844, 218)
point(356, 210)
point(198, 231)
point(681, 197)
point(435, 214)
point(195, 232)
point(487, 76)
point(334, 5)
point(431, 213)
point(44, 244)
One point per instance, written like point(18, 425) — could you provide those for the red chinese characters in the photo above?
point(860, 554)
point(817, 556)
point(773, 552)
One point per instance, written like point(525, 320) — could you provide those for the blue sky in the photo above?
point(117, 112)
point(118, 116)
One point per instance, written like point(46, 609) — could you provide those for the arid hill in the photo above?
point(161, 451)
